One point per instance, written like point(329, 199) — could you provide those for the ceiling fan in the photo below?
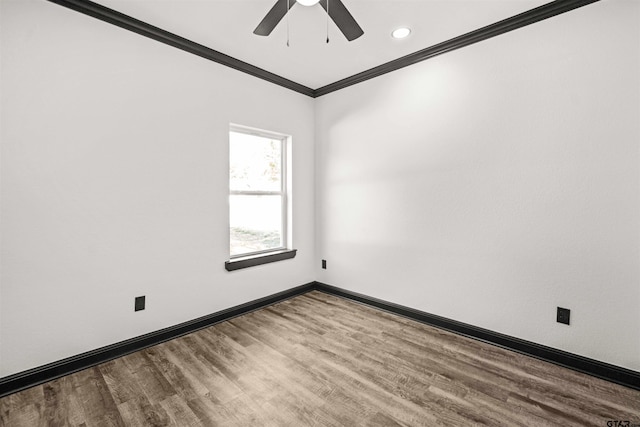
point(335, 8)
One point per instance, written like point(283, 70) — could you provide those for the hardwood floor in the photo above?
point(320, 360)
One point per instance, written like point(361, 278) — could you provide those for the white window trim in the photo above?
point(285, 189)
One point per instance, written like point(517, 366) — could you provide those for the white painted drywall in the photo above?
point(488, 185)
point(115, 180)
point(494, 183)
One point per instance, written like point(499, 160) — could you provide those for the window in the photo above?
point(258, 198)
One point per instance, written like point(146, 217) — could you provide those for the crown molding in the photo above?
point(506, 25)
point(128, 23)
point(529, 17)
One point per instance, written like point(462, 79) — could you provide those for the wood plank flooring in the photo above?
point(320, 360)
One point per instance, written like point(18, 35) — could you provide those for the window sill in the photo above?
point(259, 260)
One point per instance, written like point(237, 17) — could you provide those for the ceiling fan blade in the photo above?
point(273, 17)
point(343, 19)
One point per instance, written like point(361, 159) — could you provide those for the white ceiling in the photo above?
point(227, 26)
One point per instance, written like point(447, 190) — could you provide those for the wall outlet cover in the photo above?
point(139, 304)
point(563, 315)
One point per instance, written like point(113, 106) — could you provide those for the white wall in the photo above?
point(115, 180)
point(494, 183)
point(488, 185)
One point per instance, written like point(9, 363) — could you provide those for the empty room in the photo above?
point(319, 213)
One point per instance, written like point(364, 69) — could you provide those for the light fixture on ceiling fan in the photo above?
point(335, 9)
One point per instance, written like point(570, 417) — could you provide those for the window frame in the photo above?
point(284, 251)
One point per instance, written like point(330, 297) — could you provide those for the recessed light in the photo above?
point(308, 2)
point(400, 33)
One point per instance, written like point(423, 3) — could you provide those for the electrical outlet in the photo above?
point(139, 304)
point(563, 315)
point(324, 264)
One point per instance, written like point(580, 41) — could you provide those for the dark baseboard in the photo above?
point(612, 373)
point(23, 380)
